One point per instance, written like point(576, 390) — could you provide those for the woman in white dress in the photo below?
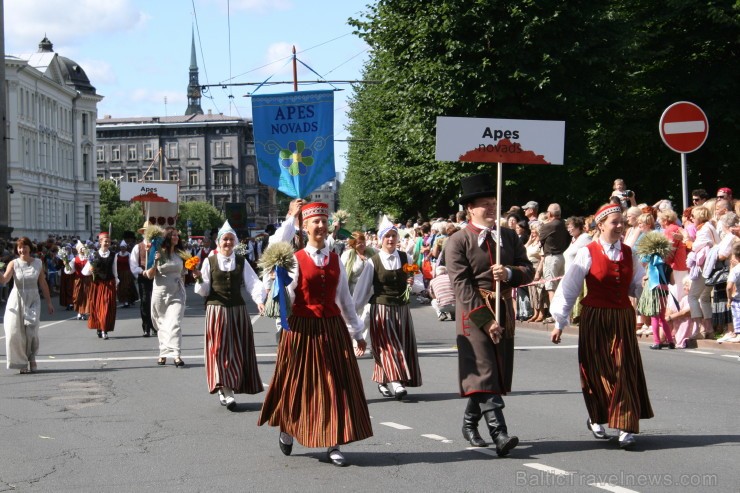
point(22, 312)
point(168, 296)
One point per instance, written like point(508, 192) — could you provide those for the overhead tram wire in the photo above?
point(232, 106)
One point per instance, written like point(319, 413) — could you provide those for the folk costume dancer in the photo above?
point(168, 296)
point(485, 346)
point(82, 284)
point(102, 296)
point(612, 379)
point(316, 393)
point(67, 282)
point(137, 264)
point(126, 287)
point(231, 359)
point(384, 284)
point(23, 309)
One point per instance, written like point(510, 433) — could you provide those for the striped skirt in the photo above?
point(394, 345)
point(102, 305)
point(230, 356)
point(612, 379)
point(316, 394)
point(81, 294)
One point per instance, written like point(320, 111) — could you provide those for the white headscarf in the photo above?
point(384, 227)
point(226, 228)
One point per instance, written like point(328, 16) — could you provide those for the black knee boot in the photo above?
point(470, 425)
point(497, 427)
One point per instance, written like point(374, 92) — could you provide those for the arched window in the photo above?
point(251, 177)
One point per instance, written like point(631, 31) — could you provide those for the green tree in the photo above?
point(110, 202)
point(129, 217)
point(203, 215)
point(602, 67)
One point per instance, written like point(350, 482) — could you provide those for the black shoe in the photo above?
point(285, 448)
point(100, 334)
point(504, 444)
point(338, 459)
point(655, 346)
point(146, 333)
point(384, 391)
point(601, 435)
point(178, 362)
point(472, 436)
point(671, 345)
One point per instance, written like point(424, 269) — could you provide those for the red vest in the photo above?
point(608, 282)
point(79, 265)
point(315, 295)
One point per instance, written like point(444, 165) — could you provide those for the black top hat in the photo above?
point(476, 186)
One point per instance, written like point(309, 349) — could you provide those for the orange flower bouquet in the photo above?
point(411, 270)
point(192, 263)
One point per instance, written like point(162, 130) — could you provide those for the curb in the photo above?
point(572, 329)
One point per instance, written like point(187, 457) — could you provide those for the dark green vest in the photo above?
point(389, 285)
point(226, 286)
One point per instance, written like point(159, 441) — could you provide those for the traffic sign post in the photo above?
point(684, 128)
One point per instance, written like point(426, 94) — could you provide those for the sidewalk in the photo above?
point(701, 343)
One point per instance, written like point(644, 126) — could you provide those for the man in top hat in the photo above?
point(137, 263)
point(485, 345)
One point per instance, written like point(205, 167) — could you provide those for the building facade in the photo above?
point(51, 114)
point(211, 156)
point(328, 193)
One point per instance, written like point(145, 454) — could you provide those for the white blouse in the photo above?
point(228, 264)
point(571, 285)
point(364, 287)
point(87, 269)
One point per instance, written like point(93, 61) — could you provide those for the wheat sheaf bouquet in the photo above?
point(278, 260)
point(155, 235)
point(653, 249)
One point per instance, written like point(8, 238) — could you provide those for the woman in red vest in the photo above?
point(316, 393)
point(612, 379)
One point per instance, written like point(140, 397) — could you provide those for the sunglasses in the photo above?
point(695, 199)
point(721, 196)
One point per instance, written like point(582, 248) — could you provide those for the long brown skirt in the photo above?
point(612, 379)
point(231, 360)
point(102, 305)
point(66, 289)
point(316, 394)
point(81, 294)
point(394, 345)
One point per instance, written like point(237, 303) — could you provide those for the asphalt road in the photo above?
point(101, 416)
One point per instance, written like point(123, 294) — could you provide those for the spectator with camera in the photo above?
point(626, 197)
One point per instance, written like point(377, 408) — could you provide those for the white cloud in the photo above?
point(99, 72)
point(277, 60)
point(66, 22)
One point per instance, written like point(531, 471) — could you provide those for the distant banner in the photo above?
point(294, 140)
point(488, 140)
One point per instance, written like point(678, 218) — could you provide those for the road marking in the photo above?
point(548, 469)
point(485, 451)
point(396, 426)
point(437, 437)
point(730, 356)
point(611, 487)
point(697, 352)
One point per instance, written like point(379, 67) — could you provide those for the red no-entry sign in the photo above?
point(684, 127)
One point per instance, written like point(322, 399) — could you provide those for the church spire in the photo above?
point(193, 85)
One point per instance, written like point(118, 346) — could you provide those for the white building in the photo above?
point(51, 110)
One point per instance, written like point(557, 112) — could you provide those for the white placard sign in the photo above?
point(149, 191)
point(491, 140)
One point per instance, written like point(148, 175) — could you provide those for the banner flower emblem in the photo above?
point(296, 158)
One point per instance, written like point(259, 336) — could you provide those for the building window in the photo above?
point(100, 153)
point(84, 124)
point(132, 152)
point(250, 176)
point(115, 152)
point(88, 217)
point(133, 177)
point(227, 149)
point(148, 154)
point(116, 177)
point(193, 150)
point(85, 166)
point(219, 151)
point(250, 149)
point(174, 175)
point(192, 178)
point(149, 176)
point(172, 150)
point(222, 178)
point(220, 201)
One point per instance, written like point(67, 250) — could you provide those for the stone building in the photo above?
point(51, 114)
point(211, 155)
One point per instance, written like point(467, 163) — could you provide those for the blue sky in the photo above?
point(137, 52)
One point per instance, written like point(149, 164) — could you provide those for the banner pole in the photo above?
point(498, 237)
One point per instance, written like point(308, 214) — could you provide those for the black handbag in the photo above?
point(719, 274)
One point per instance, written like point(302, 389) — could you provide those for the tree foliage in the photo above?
point(203, 215)
point(608, 69)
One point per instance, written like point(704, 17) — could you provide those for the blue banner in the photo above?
point(294, 140)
